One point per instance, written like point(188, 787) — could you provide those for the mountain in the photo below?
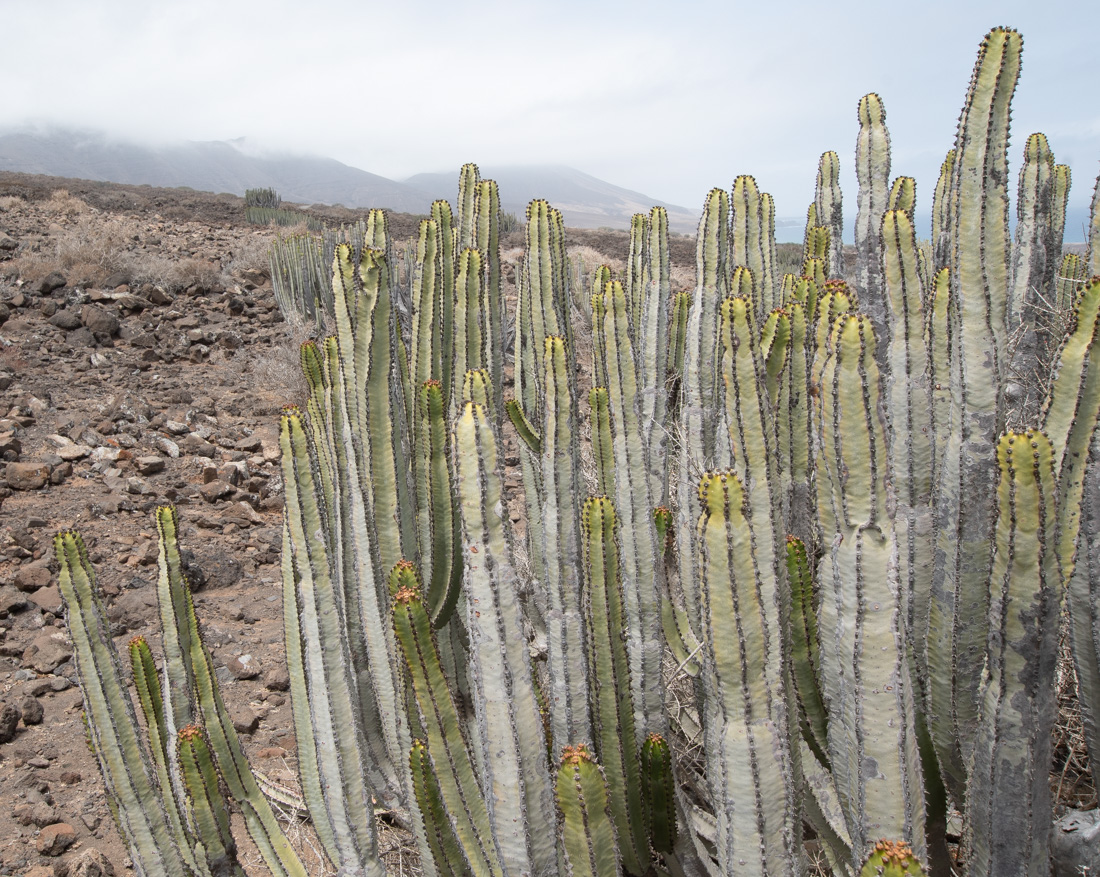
point(214, 166)
point(584, 200)
point(233, 166)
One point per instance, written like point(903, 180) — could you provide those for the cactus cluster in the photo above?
point(829, 511)
point(262, 198)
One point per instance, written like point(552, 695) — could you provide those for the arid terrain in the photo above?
point(143, 361)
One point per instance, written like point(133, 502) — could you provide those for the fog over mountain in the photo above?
point(236, 165)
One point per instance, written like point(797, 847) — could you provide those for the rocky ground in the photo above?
point(142, 361)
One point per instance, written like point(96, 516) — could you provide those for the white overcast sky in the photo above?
point(666, 98)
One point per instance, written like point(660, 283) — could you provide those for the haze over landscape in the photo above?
point(655, 102)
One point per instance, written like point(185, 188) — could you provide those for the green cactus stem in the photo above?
point(209, 809)
point(659, 787)
point(1008, 803)
point(746, 738)
point(873, 174)
point(458, 783)
point(891, 858)
point(588, 833)
point(446, 852)
point(611, 691)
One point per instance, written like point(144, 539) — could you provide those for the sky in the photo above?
point(666, 98)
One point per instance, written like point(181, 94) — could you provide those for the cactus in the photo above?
point(587, 831)
point(873, 174)
point(824, 593)
point(658, 785)
point(892, 859)
point(829, 209)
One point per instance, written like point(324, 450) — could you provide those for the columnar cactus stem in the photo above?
point(941, 213)
point(903, 196)
point(587, 830)
point(636, 279)
point(872, 740)
point(1033, 263)
point(650, 347)
point(830, 209)
point(1092, 254)
point(908, 397)
point(612, 683)
point(747, 744)
point(659, 787)
point(749, 242)
point(603, 451)
point(446, 851)
point(515, 781)
point(873, 173)
point(699, 387)
point(112, 725)
point(567, 664)
point(964, 505)
point(208, 808)
point(805, 648)
point(458, 783)
point(1008, 805)
point(635, 506)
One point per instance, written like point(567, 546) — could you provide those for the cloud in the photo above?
point(665, 102)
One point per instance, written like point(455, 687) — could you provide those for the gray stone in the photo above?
point(65, 319)
point(82, 337)
point(48, 599)
point(54, 839)
point(96, 319)
point(195, 444)
point(215, 490)
point(149, 465)
point(27, 476)
point(37, 813)
point(32, 711)
point(1075, 844)
point(47, 652)
point(9, 719)
point(53, 280)
point(90, 863)
point(243, 667)
point(7, 243)
point(11, 601)
point(277, 679)
point(32, 576)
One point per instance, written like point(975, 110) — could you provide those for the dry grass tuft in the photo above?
point(88, 250)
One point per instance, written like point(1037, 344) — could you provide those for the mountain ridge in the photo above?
point(231, 166)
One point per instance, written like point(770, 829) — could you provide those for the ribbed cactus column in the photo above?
point(829, 205)
point(651, 352)
point(959, 617)
point(126, 772)
point(749, 244)
point(747, 745)
point(699, 389)
point(909, 401)
point(610, 685)
point(872, 740)
point(1092, 255)
point(587, 830)
point(1008, 805)
point(516, 781)
point(942, 231)
point(566, 642)
point(873, 173)
point(1034, 259)
point(635, 505)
